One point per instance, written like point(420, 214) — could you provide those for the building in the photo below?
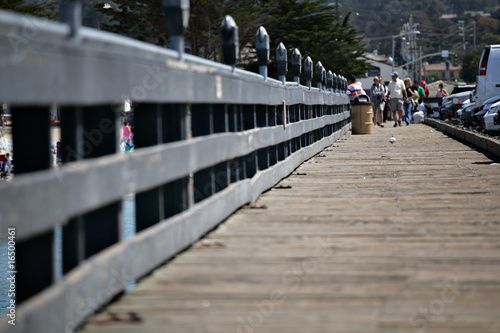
point(452, 74)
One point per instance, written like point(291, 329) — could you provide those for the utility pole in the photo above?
point(420, 64)
point(408, 46)
point(462, 28)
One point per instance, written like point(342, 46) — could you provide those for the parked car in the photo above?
point(479, 113)
point(487, 79)
point(452, 103)
point(462, 88)
point(465, 113)
point(491, 118)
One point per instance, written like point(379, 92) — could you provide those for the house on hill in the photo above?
point(452, 74)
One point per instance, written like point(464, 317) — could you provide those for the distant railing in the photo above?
point(209, 138)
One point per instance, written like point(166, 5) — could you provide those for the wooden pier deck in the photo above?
point(367, 236)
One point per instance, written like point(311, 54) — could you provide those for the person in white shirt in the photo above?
point(397, 95)
point(354, 89)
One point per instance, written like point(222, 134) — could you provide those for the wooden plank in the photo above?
point(369, 237)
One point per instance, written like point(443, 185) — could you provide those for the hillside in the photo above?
point(438, 21)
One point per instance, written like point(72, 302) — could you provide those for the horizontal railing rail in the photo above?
point(209, 139)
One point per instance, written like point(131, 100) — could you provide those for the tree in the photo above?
point(206, 17)
point(470, 62)
point(140, 19)
point(317, 31)
point(48, 10)
point(310, 26)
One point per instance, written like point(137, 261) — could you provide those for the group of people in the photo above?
point(402, 98)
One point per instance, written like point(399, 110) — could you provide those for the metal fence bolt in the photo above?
point(329, 80)
point(176, 18)
point(335, 83)
point(308, 71)
point(282, 61)
point(318, 72)
point(263, 50)
point(323, 77)
point(70, 12)
point(229, 41)
point(296, 65)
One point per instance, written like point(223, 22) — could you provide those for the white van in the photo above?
point(488, 74)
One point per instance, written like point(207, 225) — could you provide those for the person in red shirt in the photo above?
point(426, 90)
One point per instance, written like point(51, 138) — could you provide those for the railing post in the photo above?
point(34, 257)
point(101, 132)
point(308, 71)
point(282, 62)
point(148, 132)
point(176, 18)
point(263, 50)
point(72, 146)
point(229, 41)
point(296, 65)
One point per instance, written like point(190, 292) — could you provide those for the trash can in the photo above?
point(362, 116)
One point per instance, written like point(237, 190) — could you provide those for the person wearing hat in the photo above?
point(377, 98)
point(426, 90)
point(397, 96)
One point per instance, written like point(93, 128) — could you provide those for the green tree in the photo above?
point(206, 17)
point(433, 76)
point(317, 31)
point(470, 62)
point(140, 19)
point(48, 10)
point(311, 26)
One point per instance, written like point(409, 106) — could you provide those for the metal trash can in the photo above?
point(362, 116)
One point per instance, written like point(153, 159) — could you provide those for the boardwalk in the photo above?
point(367, 236)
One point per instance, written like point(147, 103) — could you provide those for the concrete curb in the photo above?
point(480, 141)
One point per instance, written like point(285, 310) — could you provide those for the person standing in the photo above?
point(377, 98)
point(127, 131)
point(421, 92)
point(386, 113)
point(441, 91)
point(426, 90)
point(396, 95)
point(408, 104)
